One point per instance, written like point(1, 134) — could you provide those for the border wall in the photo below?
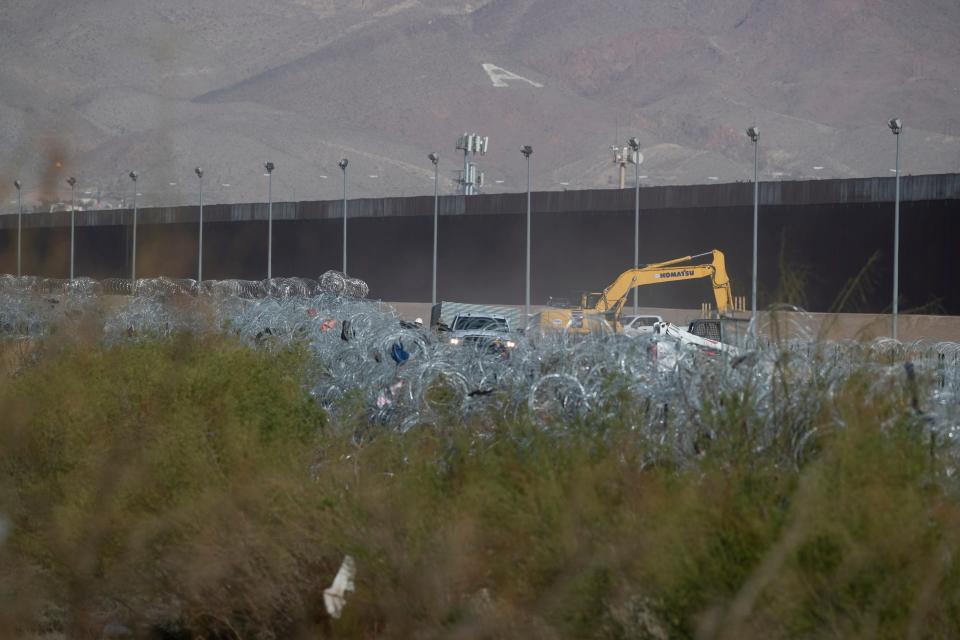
point(816, 237)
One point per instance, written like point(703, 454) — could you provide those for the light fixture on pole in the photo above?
point(435, 159)
point(527, 151)
point(199, 172)
point(754, 134)
point(636, 158)
point(133, 257)
point(269, 166)
point(19, 185)
point(73, 212)
point(896, 126)
point(343, 167)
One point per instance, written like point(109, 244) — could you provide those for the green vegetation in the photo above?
point(188, 487)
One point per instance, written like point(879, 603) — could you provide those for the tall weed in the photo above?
point(190, 487)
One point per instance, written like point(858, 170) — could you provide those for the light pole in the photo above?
point(527, 151)
point(133, 257)
point(19, 185)
point(343, 167)
point(269, 166)
point(73, 209)
point(896, 126)
point(199, 172)
point(435, 159)
point(754, 133)
point(637, 158)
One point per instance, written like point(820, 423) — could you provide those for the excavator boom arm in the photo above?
point(615, 295)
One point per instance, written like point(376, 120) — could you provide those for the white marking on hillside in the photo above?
point(499, 76)
point(397, 8)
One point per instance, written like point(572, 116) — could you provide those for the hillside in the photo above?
point(104, 86)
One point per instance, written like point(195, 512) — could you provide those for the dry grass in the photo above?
point(189, 488)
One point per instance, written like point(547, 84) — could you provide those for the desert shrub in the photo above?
point(189, 486)
point(124, 467)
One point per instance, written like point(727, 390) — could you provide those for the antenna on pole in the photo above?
point(621, 156)
point(471, 177)
point(627, 154)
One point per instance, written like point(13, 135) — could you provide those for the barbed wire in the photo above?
point(554, 380)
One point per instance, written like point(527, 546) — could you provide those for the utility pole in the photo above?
point(343, 167)
point(19, 185)
point(73, 212)
point(754, 134)
point(896, 126)
point(269, 166)
point(527, 151)
point(636, 158)
point(435, 159)
point(199, 172)
point(133, 258)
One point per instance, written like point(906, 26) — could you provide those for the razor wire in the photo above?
point(554, 380)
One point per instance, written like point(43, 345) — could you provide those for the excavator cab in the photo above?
point(590, 300)
point(605, 306)
point(728, 330)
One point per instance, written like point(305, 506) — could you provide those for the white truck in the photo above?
point(635, 326)
point(481, 331)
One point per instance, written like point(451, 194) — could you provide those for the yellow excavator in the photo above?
point(595, 308)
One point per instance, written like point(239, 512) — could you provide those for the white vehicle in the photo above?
point(634, 326)
point(481, 331)
point(671, 341)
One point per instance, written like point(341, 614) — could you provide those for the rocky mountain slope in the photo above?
point(95, 88)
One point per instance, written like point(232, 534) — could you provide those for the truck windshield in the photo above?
point(480, 324)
